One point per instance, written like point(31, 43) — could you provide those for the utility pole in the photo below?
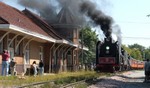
point(82, 47)
point(143, 56)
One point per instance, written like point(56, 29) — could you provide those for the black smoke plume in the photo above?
point(98, 17)
point(49, 12)
point(48, 9)
point(44, 8)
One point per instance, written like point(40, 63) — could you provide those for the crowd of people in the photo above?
point(9, 66)
point(38, 68)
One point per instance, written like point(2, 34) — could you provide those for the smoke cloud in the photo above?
point(49, 9)
point(44, 8)
point(98, 17)
point(117, 32)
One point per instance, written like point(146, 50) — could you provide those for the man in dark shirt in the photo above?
point(147, 69)
point(41, 67)
point(13, 67)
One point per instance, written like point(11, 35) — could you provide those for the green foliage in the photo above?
point(138, 52)
point(133, 51)
point(60, 79)
point(89, 39)
point(137, 46)
point(127, 49)
point(81, 85)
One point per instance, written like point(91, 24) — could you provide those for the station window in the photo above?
point(12, 44)
point(19, 47)
point(11, 51)
point(41, 53)
point(27, 55)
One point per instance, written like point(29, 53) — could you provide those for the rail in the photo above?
point(52, 81)
point(35, 84)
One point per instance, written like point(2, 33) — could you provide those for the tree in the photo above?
point(127, 49)
point(147, 53)
point(134, 51)
point(136, 54)
point(139, 52)
point(137, 46)
point(89, 40)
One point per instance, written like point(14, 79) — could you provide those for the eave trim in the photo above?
point(25, 31)
point(66, 42)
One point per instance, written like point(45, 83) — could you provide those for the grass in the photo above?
point(61, 78)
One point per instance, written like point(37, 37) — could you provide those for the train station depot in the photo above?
point(29, 38)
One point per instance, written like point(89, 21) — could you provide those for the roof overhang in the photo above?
point(37, 35)
point(25, 31)
point(84, 48)
point(67, 42)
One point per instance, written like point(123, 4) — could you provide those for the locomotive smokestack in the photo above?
point(98, 17)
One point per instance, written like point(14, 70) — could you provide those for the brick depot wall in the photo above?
point(47, 56)
point(34, 51)
point(19, 66)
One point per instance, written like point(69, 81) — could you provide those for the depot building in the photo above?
point(29, 38)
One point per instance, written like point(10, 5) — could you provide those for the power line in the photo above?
point(132, 22)
point(136, 37)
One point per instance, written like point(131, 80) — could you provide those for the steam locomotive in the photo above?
point(111, 57)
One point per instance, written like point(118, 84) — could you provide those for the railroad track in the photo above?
point(34, 84)
point(87, 81)
point(38, 84)
point(72, 84)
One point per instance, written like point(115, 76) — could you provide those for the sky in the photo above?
point(130, 15)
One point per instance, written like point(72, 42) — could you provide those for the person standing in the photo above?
point(41, 67)
point(13, 67)
point(35, 67)
point(147, 70)
point(5, 63)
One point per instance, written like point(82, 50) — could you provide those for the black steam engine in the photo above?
point(110, 56)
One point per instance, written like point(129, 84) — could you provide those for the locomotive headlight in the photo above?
point(107, 48)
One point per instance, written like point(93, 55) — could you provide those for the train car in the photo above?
point(140, 65)
point(110, 56)
point(136, 64)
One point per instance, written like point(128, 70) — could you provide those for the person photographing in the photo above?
point(5, 63)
